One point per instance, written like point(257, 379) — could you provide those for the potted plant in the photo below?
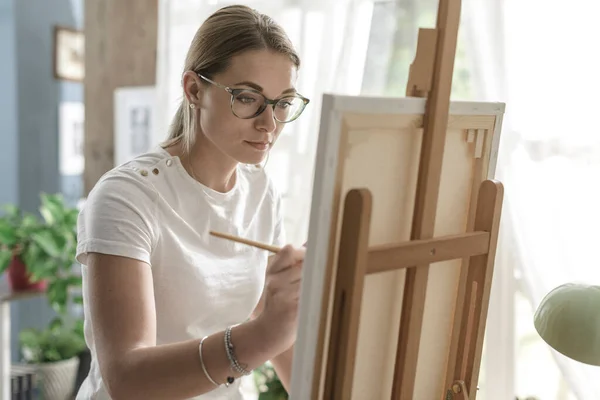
point(16, 229)
point(43, 250)
point(55, 353)
point(46, 248)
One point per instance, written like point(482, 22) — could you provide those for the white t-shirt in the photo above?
point(152, 210)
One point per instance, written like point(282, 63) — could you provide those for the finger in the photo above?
point(295, 290)
point(286, 257)
point(288, 275)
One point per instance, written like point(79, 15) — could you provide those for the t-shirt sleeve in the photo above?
point(118, 218)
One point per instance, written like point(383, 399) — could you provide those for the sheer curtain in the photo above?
point(539, 57)
point(331, 37)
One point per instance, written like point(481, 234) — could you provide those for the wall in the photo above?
point(29, 117)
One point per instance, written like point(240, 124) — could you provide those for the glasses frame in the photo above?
point(268, 102)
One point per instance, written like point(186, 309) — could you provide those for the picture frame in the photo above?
point(69, 54)
point(134, 122)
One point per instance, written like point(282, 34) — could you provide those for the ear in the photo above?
point(192, 87)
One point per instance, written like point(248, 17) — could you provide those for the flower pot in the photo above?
point(20, 280)
point(57, 379)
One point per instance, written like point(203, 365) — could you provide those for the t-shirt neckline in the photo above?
point(199, 185)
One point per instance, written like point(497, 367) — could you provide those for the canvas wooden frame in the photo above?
point(356, 136)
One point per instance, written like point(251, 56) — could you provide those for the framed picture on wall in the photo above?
point(69, 52)
point(71, 124)
point(134, 113)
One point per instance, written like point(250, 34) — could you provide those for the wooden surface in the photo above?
point(348, 294)
point(474, 294)
point(360, 148)
point(390, 257)
point(6, 295)
point(427, 193)
point(120, 50)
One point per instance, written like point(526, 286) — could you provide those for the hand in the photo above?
point(279, 316)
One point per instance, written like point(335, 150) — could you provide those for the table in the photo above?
point(6, 297)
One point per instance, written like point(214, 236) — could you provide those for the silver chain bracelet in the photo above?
point(229, 349)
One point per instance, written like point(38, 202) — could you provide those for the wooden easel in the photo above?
point(430, 77)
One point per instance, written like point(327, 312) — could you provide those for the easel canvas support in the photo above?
point(356, 260)
point(430, 77)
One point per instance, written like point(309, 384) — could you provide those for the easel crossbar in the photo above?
point(390, 257)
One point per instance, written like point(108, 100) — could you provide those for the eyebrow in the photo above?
point(260, 89)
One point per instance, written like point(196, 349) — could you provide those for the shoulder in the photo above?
point(118, 215)
point(128, 179)
point(124, 192)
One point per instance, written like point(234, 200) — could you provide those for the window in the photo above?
point(392, 47)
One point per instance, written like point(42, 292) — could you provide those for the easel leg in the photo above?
point(350, 276)
point(435, 124)
point(473, 299)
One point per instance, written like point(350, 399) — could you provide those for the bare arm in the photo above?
point(121, 300)
point(283, 367)
point(282, 363)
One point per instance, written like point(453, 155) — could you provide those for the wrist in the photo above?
point(267, 338)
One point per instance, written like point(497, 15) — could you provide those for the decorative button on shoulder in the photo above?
point(169, 162)
point(155, 171)
point(144, 172)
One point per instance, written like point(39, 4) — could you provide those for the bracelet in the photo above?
point(202, 362)
point(235, 365)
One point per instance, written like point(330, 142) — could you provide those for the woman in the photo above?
point(172, 312)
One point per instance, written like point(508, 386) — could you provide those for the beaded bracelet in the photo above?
point(235, 365)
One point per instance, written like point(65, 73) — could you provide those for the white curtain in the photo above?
point(541, 57)
point(331, 37)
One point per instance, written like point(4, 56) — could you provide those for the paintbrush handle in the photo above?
point(264, 246)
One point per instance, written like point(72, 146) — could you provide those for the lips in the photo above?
point(259, 145)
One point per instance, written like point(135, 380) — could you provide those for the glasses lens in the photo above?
point(247, 103)
point(288, 108)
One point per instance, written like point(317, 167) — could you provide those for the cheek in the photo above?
point(215, 119)
point(222, 127)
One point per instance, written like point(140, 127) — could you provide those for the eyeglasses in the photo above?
point(250, 103)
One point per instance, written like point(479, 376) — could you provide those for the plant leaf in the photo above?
point(5, 257)
point(52, 208)
point(47, 242)
point(8, 233)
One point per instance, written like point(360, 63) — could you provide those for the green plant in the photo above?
point(16, 228)
point(268, 384)
point(55, 343)
point(47, 246)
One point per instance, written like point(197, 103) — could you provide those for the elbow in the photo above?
point(118, 382)
point(116, 385)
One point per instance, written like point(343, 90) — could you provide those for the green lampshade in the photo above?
point(568, 319)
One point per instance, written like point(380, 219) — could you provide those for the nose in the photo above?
point(266, 120)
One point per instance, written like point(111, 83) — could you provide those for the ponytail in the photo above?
point(181, 128)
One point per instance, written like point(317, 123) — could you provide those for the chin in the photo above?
point(252, 155)
point(251, 160)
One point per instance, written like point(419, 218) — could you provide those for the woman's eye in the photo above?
point(246, 100)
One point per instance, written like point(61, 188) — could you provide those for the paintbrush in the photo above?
point(264, 246)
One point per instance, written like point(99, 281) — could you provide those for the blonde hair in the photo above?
point(229, 31)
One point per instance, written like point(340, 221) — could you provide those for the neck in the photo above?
point(209, 166)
